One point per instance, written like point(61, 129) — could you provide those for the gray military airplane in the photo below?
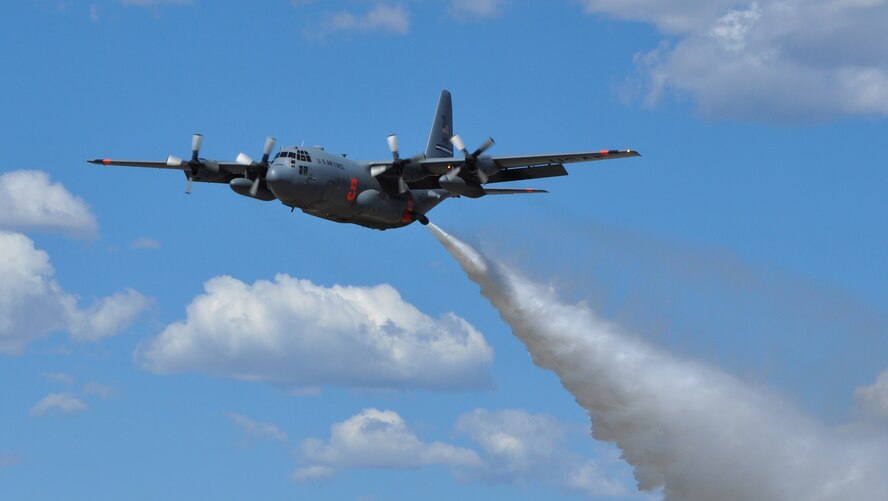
point(379, 194)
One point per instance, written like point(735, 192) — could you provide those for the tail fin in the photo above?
point(442, 129)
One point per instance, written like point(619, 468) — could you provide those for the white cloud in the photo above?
point(523, 448)
point(98, 389)
point(517, 448)
point(106, 317)
point(58, 377)
point(29, 201)
point(155, 3)
point(771, 60)
point(381, 18)
point(59, 403)
point(33, 304)
point(376, 439)
point(295, 333)
point(255, 430)
point(468, 10)
point(8, 459)
point(94, 13)
point(874, 398)
point(144, 243)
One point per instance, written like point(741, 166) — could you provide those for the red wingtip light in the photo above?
point(604, 152)
point(106, 161)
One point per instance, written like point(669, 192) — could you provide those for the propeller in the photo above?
point(260, 168)
point(398, 164)
point(194, 164)
point(471, 161)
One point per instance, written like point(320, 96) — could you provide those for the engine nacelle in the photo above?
point(241, 186)
point(209, 166)
point(459, 186)
point(372, 203)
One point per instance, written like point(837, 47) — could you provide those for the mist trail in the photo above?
point(690, 429)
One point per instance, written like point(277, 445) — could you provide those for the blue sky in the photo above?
point(750, 236)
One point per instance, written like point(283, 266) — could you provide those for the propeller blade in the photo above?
point(378, 169)
point(458, 143)
point(481, 149)
point(254, 188)
point(174, 161)
point(244, 159)
point(269, 145)
point(402, 185)
point(482, 176)
point(454, 173)
point(393, 145)
point(196, 141)
point(188, 185)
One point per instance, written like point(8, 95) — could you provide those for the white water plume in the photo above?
point(687, 428)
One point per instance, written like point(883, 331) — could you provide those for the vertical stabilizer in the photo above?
point(442, 129)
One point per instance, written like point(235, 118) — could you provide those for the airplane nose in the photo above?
point(273, 175)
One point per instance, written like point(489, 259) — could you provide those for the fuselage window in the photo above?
point(303, 170)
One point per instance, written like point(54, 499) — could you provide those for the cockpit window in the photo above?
point(303, 156)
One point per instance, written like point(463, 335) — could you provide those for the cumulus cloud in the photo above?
point(30, 201)
point(376, 439)
point(381, 18)
point(517, 447)
point(771, 60)
point(468, 10)
point(256, 430)
point(298, 334)
point(33, 304)
point(107, 316)
point(874, 398)
point(59, 404)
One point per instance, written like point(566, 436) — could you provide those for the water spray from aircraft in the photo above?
point(687, 428)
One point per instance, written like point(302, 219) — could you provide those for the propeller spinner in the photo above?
point(398, 165)
point(471, 162)
point(194, 164)
point(260, 169)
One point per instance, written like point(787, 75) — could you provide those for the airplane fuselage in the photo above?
point(339, 189)
point(379, 194)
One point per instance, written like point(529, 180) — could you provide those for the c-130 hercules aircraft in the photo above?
point(376, 194)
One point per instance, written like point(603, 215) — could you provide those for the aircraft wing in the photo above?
point(138, 163)
point(520, 168)
point(443, 165)
point(561, 158)
point(226, 166)
point(225, 172)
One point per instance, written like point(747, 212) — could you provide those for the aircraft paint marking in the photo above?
point(352, 190)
